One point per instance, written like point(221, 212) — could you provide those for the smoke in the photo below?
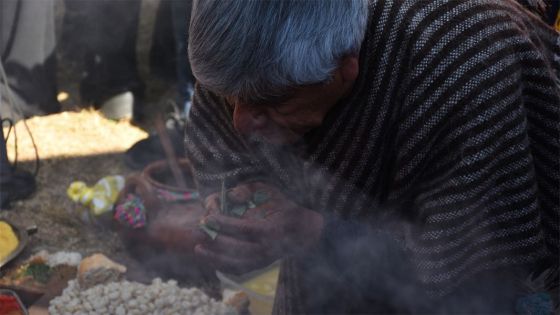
point(157, 261)
point(364, 262)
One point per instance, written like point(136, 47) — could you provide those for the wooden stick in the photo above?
point(170, 153)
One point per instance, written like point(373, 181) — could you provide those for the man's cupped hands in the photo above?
point(270, 227)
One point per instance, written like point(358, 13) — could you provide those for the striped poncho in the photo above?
point(448, 146)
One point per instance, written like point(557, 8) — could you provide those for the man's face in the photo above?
point(284, 122)
point(287, 121)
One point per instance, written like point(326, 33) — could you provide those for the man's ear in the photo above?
point(349, 68)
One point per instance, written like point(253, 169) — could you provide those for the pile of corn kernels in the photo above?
point(132, 298)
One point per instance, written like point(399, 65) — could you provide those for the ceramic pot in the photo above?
point(173, 213)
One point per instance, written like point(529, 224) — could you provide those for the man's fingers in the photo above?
point(245, 229)
point(239, 194)
point(234, 247)
point(199, 236)
point(212, 202)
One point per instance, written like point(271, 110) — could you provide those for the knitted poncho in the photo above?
point(448, 144)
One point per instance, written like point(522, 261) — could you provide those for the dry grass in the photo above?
point(73, 134)
point(72, 146)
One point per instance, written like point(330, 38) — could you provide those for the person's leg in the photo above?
point(148, 150)
point(106, 31)
point(163, 56)
point(5, 166)
point(15, 184)
point(27, 46)
point(6, 171)
point(9, 13)
point(185, 79)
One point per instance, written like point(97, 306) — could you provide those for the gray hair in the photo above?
point(259, 50)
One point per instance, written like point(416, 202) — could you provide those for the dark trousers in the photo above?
point(101, 36)
point(181, 18)
point(169, 55)
point(104, 34)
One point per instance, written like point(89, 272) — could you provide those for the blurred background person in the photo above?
point(28, 81)
point(169, 61)
point(168, 52)
point(27, 47)
point(100, 36)
point(181, 10)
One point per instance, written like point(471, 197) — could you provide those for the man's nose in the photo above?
point(247, 120)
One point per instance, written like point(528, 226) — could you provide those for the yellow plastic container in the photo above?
point(259, 285)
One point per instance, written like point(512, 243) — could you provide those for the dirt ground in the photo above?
point(77, 144)
point(72, 146)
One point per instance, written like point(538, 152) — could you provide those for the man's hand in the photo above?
point(274, 228)
point(175, 227)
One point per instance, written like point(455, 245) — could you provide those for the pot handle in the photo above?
point(138, 185)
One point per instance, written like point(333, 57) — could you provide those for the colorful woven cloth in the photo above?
point(131, 212)
point(170, 196)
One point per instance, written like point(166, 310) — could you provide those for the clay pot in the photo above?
point(171, 224)
point(157, 175)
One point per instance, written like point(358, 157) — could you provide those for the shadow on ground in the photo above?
point(62, 227)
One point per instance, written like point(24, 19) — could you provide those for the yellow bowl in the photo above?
point(22, 236)
point(259, 285)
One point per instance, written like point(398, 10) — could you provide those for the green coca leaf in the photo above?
point(251, 204)
point(212, 225)
point(213, 234)
point(260, 197)
point(239, 210)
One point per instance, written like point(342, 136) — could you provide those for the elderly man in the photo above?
point(408, 149)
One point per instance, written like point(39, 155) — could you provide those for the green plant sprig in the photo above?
point(258, 198)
